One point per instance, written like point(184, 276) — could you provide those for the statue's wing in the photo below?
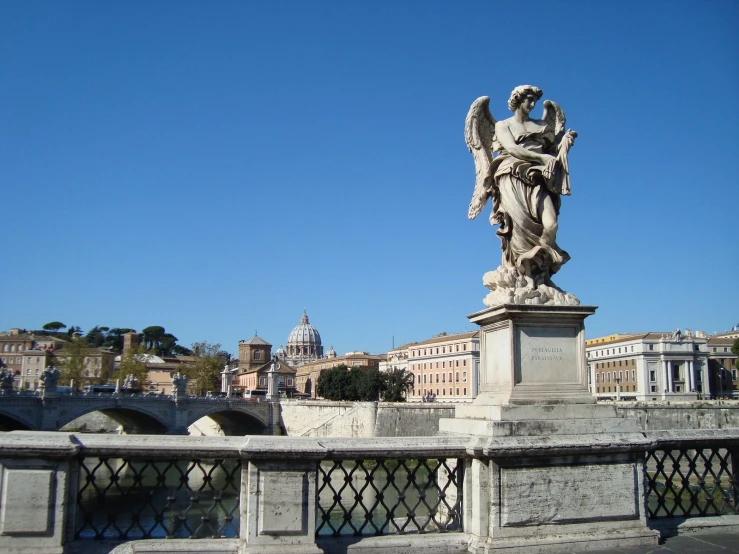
point(479, 134)
point(555, 120)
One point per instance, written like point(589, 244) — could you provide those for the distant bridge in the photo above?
point(139, 414)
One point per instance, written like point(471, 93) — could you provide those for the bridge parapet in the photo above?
point(442, 494)
point(161, 412)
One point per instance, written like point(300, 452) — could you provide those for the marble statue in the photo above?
point(49, 378)
point(521, 164)
point(179, 385)
point(6, 381)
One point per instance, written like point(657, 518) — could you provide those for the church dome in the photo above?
point(304, 333)
point(304, 342)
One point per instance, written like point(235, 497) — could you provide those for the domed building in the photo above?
point(303, 344)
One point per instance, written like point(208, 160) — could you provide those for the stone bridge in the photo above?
point(140, 414)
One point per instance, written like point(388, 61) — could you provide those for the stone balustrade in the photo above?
point(70, 493)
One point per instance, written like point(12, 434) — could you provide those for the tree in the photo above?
point(396, 385)
point(54, 326)
point(368, 383)
point(133, 362)
point(153, 337)
point(71, 363)
point(178, 350)
point(735, 350)
point(73, 330)
point(204, 372)
point(335, 383)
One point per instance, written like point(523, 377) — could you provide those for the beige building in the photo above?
point(649, 366)
point(307, 374)
point(23, 352)
point(397, 358)
point(722, 365)
point(445, 368)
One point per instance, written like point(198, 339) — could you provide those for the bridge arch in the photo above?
point(15, 422)
point(233, 422)
point(132, 419)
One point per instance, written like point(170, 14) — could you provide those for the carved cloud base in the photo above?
point(507, 286)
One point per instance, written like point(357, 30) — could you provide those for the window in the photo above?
point(457, 392)
point(443, 349)
point(437, 377)
point(651, 347)
point(437, 365)
point(28, 372)
point(457, 350)
point(257, 355)
point(464, 346)
point(464, 363)
point(289, 382)
point(424, 379)
point(733, 374)
point(633, 375)
point(464, 391)
point(457, 378)
point(262, 381)
point(464, 376)
point(443, 364)
point(609, 377)
point(653, 376)
point(456, 363)
point(437, 349)
point(418, 379)
point(443, 377)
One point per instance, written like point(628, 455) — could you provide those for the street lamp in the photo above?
point(618, 389)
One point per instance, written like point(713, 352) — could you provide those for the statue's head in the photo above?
point(520, 93)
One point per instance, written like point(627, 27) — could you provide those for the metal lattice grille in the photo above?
point(379, 497)
point(122, 498)
point(695, 482)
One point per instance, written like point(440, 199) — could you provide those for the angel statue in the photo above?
point(525, 179)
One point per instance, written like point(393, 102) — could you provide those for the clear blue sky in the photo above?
point(215, 167)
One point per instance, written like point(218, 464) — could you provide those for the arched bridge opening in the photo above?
point(8, 423)
point(118, 420)
point(228, 423)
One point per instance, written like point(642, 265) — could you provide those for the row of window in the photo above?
point(12, 347)
point(601, 365)
point(419, 366)
point(280, 383)
point(726, 349)
point(435, 350)
point(10, 360)
point(609, 352)
point(443, 378)
point(623, 376)
point(426, 392)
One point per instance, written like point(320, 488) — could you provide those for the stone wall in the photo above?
point(676, 416)
point(319, 418)
point(410, 420)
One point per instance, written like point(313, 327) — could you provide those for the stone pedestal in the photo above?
point(554, 471)
point(533, 376)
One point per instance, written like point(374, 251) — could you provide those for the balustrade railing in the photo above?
point(129, 498)
point(692, 477)
point(258, 490)
point(389, 496)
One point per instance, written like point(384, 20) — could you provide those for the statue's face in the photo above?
point(528, 104)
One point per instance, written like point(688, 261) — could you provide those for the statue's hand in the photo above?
point(547, 160)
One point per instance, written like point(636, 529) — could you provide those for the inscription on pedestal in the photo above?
point(547, 355)
point(568, 494)
point(283, 502)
